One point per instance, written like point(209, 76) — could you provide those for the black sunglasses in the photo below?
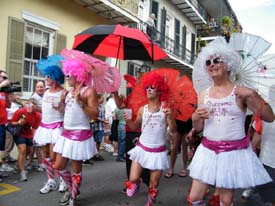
point(150, 87)
point(217, 60)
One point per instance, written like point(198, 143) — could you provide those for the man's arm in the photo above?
point(134, 124)
point(119, 101)
point(199, 115)
point(89, 103)
point(255, 103)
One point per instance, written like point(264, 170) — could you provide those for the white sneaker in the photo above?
point(246, 194)
point(6, 168)
point(41, 168)
point(109, 148)
point(62, 186)
point(23, 176)
point(49, 186)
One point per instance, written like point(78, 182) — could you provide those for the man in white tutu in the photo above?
point(52, 118)
point(225, 158)
point(150, 150)
point(76, 142)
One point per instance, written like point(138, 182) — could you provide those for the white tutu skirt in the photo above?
point(231, 170)
point(45, 136)
point(75, 150)
point(149, 160)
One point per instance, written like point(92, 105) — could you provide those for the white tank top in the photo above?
point(226, 120)
point(49, 114)
point(153, 128)
point(75, 118)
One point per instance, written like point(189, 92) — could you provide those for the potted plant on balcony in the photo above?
point(226, 27)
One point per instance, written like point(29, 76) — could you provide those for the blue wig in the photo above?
point(52, 66)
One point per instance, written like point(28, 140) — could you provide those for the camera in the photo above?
point(14, 87)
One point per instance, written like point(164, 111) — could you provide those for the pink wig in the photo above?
point(76, 68)
point(158, 81)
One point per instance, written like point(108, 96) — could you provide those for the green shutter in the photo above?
point(15, 51)
point(60, 42)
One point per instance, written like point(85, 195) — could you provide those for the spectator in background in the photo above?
point(121, 133)
point(150, 26)
point(212, 23)
point(29, 119)
point(37, 149)
point(110, 107)
point(15, 104)
point(183, 128)
point(5, 102)
point(98, 127)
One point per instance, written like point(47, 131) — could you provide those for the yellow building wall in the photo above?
point(71, 17)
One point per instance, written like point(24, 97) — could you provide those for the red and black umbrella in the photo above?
point(118, 41)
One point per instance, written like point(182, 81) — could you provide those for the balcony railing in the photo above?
point(200, 8)
point(209, 32)
point(172, 47)
point(169, 45)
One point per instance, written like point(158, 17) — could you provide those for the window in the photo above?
point(177, 36)
point(155, 9)
point(37, 46)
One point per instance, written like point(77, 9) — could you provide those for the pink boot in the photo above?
point(152, 194)
point(132, 188)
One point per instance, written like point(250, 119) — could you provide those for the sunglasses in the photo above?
point(150, 88)
point(217, 60)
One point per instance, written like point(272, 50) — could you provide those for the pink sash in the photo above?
point(77, 135)
point(225, 146)
point(51, 125)
point(148, 149)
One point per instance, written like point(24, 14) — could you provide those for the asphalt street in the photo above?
point(101, 186)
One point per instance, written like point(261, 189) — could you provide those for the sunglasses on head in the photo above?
point(150, 87)
point(216, 60)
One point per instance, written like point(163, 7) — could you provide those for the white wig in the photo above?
point(219, 47)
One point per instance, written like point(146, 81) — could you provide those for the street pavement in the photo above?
point(101, 186)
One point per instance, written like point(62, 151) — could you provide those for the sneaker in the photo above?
point(65, 199)
point(88, 162)
point(62, 186)
point(29, 167)
point(6, 168)
point(120, 160)
point(41, 168)
point(132, 188)
point(49, 186)
point(109, 148)
point(72, 202)
point(16, 170)
point(23, 176)
point(115, 154)
point(10, 159)
point(246, 194)
point(98, 158)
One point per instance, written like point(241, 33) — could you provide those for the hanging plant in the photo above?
point(226, 21)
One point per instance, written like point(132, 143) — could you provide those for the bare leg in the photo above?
point(174, 152)
point(22, 151)
point(226, 197)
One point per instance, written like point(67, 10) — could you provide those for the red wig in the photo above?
point(158, 81)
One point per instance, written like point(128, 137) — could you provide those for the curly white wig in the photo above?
point(219, 47)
